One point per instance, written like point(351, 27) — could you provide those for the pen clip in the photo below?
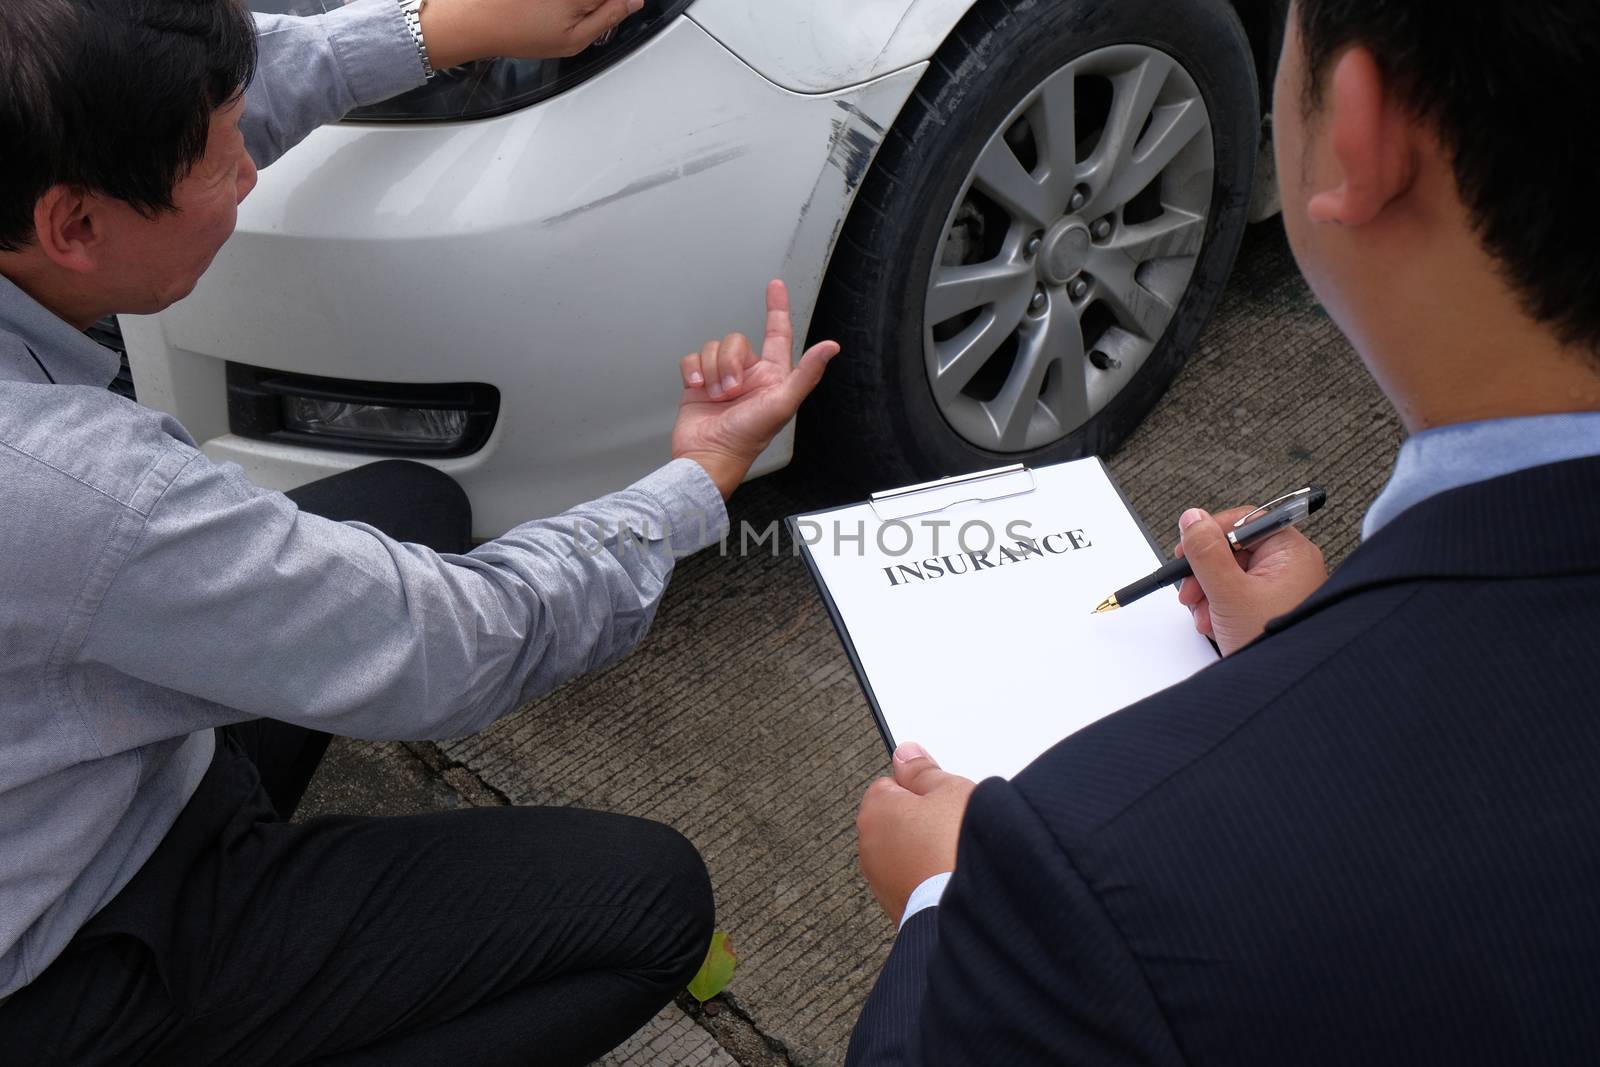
point(1284, 499)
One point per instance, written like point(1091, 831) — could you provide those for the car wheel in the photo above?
point(1041, 238)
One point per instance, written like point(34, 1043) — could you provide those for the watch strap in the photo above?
point(412, 11)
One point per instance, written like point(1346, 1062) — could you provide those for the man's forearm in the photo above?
point(313, 71)
point(888, 1034)
point(387, 640)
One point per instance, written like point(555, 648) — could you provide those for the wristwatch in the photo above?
point(412, 10)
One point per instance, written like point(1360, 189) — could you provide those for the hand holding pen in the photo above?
point(1233, 592)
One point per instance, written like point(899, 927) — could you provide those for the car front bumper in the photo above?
point(569, 255)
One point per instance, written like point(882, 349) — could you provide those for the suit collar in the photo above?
point(1542, 522)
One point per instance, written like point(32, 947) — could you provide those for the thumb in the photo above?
point(915, 770)
point(1206, 547)
point(808, 372)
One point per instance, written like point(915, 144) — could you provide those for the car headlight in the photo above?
point(492, 87)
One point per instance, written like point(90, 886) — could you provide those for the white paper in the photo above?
point(989, 667)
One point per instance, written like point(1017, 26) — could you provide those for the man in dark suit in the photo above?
point(1371, 834)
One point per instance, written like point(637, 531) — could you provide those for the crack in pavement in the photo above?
point(733, 1028)
point(458, 776)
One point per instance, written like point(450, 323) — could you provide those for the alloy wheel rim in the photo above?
point(1065, 256)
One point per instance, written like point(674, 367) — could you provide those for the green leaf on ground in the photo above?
point(717, 971)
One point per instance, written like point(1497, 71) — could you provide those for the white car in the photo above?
point(1015, 215)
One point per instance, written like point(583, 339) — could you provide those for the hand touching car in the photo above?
point(735, 401)
point(459, 31)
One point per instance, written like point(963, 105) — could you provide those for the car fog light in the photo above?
point(373, 422)
point(385, 418)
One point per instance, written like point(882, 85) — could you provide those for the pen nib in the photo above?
point(1108, 604)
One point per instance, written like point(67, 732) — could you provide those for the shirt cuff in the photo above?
point(925, 895)
point(377, 54)
point(691, 505)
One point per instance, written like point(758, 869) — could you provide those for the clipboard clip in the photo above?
point(927, 498)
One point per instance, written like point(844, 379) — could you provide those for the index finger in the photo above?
point(779, 344)
point(881, 793)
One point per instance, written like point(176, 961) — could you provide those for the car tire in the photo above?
point(876, 420)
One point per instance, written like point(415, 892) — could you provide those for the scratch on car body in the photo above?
point(889, 38)
point(688, 168)
point(853, 143)
point(872, 124)
point(851, 147)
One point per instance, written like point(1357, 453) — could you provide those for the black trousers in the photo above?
point(483, 936)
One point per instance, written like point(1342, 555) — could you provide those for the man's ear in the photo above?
point(69, 229)
point(1369, 140)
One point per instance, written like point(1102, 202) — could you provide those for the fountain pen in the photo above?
point(1260, 524)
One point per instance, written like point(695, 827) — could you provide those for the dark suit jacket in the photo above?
point(1371, 837)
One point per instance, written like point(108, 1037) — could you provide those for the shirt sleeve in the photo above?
point(925, 895)
point(315, 70)
point(234, 596)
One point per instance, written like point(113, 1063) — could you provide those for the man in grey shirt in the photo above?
point(174, 641)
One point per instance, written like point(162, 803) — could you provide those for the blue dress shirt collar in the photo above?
point(1448, 457)
point(43, 348)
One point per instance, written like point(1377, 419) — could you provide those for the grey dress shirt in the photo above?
point(151, 595)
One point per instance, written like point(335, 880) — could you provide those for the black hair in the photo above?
point(1510, 88)
point(111, 96)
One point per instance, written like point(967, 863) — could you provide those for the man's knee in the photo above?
point(409, 501)
point(417, 478)
point(688, 908)
point(421, 485)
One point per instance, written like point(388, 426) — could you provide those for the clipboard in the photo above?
point(983, 488)
point(1012, 483)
